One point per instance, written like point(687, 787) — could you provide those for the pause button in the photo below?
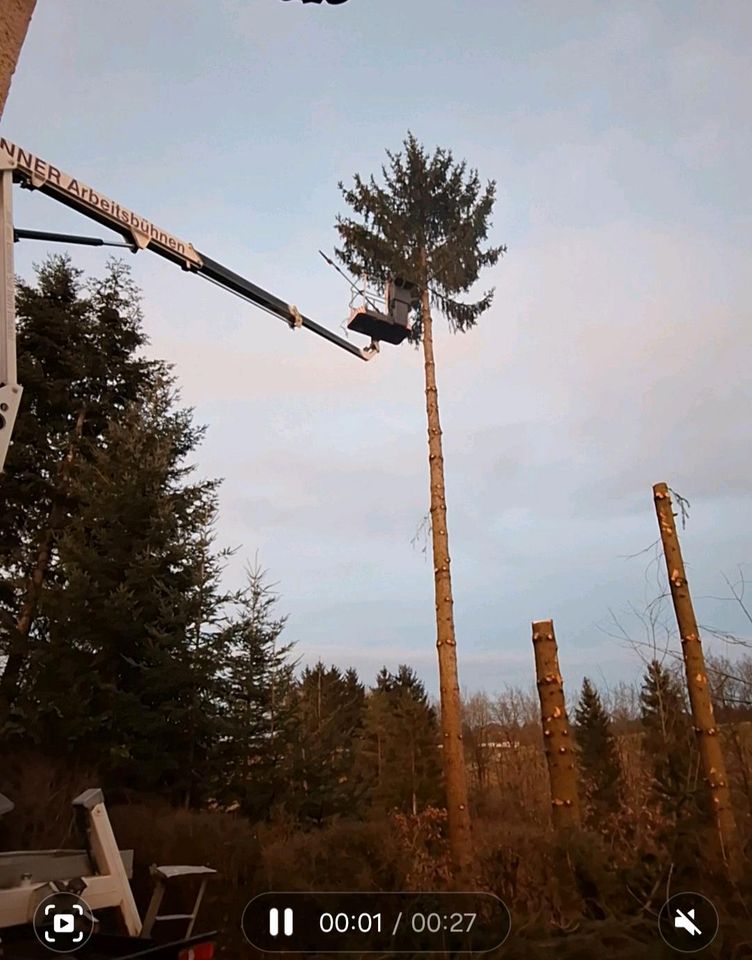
point(286, 922)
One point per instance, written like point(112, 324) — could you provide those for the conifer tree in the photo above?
point(668, 738)
point(78, 358)
point(401, 743)
point(427, 224)
point(119, 667)
point(331, 706)
point(598, 754)
point(259, 704)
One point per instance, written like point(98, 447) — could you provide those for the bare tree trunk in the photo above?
point(15, 16)
point(19, 645)
point(565, 807)
point(706, 730)
point(455, 774)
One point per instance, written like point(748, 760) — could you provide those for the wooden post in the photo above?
point(565, 808)
point(711, 751)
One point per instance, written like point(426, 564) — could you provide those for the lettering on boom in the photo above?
point(144, 232)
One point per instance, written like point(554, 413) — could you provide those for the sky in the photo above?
point(615, 355)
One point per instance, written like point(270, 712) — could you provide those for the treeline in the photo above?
point(118, 644)
point(653, 714)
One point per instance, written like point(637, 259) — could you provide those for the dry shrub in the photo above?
point(344, 855)
point(424, 848)
point(42, 792)
point(162, 834)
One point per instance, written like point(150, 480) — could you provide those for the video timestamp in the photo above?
point(376, 922)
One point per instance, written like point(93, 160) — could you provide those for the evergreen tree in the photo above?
point(685, 829)
point(401, 743)
point(427, 225)
point(119, 666)
point(259, 704)
point(598, 754)
point(331, 707)
point(668, 742)
point(78, 358)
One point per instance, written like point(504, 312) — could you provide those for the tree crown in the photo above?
point(426, 224)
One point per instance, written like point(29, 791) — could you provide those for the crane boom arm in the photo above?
point(33, 172)
point(21, 166)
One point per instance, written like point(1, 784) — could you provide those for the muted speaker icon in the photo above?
point(687, 922)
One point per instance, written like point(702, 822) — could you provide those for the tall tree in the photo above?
point(598, 754)
point(78, 346)
point(331, 707)
point(259, 707)
point(116, 664)
point(712, 758)
point(427, 224)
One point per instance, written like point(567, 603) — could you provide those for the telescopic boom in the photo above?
point(23, 167)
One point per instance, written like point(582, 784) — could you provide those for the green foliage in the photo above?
point(259, 705)
point(113, 667)
point(427, 224)
point(331, 707)
point(598, 755)
point(121, 660)
point(668, 736)
point(78, 359)
point(77, 356)
point(401, 744)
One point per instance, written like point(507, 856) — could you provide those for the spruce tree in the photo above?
point(331, 707)
point(672, 756)
point(598, 754)
point(119, 667)
point(401, 743)
point(78, 358)
point(427, 224)
point(668, 742)
point(260, 710)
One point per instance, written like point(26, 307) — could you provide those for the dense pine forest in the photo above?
point(127, 664)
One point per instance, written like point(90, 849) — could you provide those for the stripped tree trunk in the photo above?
point(565, 808)
point(455, 774)
point(711, 752)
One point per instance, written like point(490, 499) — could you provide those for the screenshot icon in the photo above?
point(63, 922)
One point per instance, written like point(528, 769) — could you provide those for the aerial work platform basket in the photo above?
point(391, 326)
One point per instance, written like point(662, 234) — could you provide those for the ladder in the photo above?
point(161, 877)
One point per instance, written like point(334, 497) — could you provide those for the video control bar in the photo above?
point(376, 922)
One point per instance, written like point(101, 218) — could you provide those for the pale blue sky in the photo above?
point(615, 355)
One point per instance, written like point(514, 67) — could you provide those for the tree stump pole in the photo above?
point(706, 731)
point(562, 774)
